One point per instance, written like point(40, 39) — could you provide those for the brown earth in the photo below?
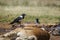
point(54, 37)
point(4, 26)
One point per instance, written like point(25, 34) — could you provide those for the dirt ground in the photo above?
point(54, 37)
point(7, 26)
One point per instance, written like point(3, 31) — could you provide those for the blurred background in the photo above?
point(48, 11)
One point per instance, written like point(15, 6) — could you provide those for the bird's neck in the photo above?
point(22, 17)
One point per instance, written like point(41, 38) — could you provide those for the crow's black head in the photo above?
point(23, 14)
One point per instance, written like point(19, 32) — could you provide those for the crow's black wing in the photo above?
point(16, 20)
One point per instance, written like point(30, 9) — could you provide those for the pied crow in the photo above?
point(37, 21)
point(18, 19)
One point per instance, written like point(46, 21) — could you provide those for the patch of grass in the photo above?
point(45, 14)
point(33, 3)
point(53, 5)
point(30, 18)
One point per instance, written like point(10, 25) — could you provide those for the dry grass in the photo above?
point(30, 3)
point(45, 14)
